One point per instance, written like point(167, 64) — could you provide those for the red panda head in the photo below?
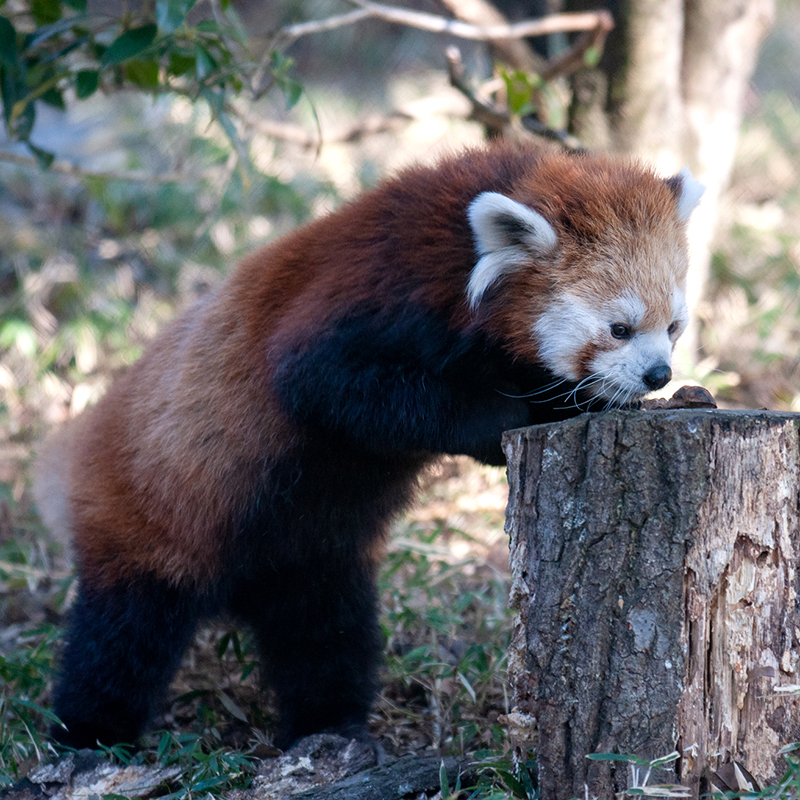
point(592, 255)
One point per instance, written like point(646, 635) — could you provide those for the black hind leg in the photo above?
point(320, 646)
point(123, 646)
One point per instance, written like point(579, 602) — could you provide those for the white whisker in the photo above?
point(590, 380)
point(542, 390)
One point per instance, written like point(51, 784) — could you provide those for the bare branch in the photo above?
point(297, 134)
point(496, 119)
point(291, 33)
point(564, 138)
point(517, 53)
point(553, 23)
point(74, 171)
point(574, 58)
point(482, 111)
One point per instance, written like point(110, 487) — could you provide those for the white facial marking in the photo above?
point(691, 192)
point(507, 234)
point(626, 366)
point(565, 328)
point(616, 372)
point(628, 309)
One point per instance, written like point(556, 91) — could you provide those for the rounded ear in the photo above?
point(687, 191)
point(507, 234)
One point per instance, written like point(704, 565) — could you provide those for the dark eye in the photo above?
point(673, 329)
point(620, 331)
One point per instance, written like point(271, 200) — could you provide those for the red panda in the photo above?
point(251, 460)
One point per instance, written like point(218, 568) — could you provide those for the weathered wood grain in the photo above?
point(654, 560)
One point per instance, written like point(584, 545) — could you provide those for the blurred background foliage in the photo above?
point(152, 196)
point(165, 190)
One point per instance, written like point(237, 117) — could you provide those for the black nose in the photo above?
point(657, 376)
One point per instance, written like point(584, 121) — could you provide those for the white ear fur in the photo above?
point(506, 234)
point(690, 193)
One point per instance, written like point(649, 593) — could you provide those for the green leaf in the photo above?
point(46, 11)
point(21, 118)
point(20, 333)
point(171, 14)
point(237, 647)
point(54, 97)
point(519, 91)
point(8, 43)
point(180, 63)
point(209, 783)
point(86, 83)
point(227, 124)
point(223, 643)
point(76, 5)
point(38, 709)
point(247, 669)
point(592, 56)
point(129, 44)
point(292, 91)
point(673, 756)
point(231, 707)
point(205, 63)
point(49, 31)
point(164, 744)
point(444, 785)
point(514, 784)
point(44, 157)
point(142, 73)
point(208, 26)
point(9, 90)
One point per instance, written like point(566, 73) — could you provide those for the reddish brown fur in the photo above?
point(251, 461)
point(172, 451)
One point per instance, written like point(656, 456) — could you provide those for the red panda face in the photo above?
point(615, 303)
point(614, 350)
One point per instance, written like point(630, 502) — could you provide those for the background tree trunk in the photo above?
point(653, 557)
point(677, 73)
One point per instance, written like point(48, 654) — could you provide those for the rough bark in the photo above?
point(653, 556)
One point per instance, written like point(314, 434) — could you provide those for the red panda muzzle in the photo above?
point(657, 377)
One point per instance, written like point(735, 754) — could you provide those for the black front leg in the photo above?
point(403, 388)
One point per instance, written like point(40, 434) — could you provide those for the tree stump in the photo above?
point(653, 557)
